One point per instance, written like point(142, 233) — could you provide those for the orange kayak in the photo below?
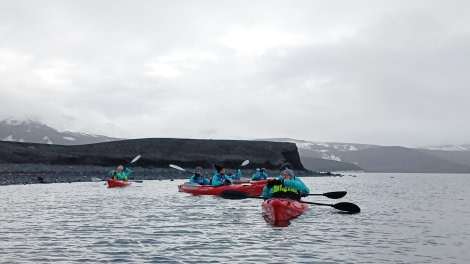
point(117, 183)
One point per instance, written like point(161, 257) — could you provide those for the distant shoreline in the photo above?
point(19, 174)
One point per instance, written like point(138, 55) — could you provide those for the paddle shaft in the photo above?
point(344, 206)
point(181, 169)
point(132, 161)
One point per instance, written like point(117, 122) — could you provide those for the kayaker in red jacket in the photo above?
point(220, 178)
point(285, 185)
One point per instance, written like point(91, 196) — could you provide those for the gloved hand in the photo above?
point(279, 182)
point(270, 184)
point(303, 193)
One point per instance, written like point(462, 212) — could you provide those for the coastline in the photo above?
point(19, 174)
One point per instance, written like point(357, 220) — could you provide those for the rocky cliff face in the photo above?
point(156, 152)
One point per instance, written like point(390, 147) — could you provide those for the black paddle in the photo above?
point(344, 206)
point(332, 195)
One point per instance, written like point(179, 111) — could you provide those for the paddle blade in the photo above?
point(245, 163)
point(335, 195)
point(135, 159)
point(177, 167)
point(349, 207)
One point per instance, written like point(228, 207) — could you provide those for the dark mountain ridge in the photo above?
point(156, 152)
point(314, 156)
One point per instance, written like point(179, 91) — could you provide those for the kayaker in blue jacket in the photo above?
point(260, 174)
point(198, 177)
point(121, 173)
point(237, 175)
point(285, 185)
point(220, 178)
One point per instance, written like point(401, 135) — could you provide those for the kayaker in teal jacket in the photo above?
point(259, 175)
point(237, 175)
point(220, 178)
point(120, 173)
point(199, 178)
point(285, 185)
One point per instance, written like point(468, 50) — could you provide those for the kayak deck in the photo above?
point(260, 182)
point(282, 209)
point(195, 189)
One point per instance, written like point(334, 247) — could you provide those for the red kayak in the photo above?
point(196, 189)
point(281, 210)
point(117, 183)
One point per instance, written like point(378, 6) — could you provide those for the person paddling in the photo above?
point(260, 174)
point(198, 177)
point(121, 173)
point(236, 175)
point(285, 185)
point(220, 178)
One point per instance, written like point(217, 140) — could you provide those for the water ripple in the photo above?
point(407, 218)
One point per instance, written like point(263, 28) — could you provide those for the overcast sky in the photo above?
point(372, 72)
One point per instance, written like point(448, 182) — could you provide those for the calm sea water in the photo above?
point(405, 218)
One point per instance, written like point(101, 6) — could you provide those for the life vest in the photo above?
point(280, 191)
point(119, 175)
point(199, 179)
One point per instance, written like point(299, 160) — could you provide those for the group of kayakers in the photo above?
point(286, 185)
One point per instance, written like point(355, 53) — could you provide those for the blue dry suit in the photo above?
point(200, 179)
point(237, 176)
point(260, 175)
point(293, 188)
point(217, 179)
point(123, 175)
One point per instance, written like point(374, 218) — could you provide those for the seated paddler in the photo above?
point(121, 173)
point(285, 185)
point(198, 177)
point(220, 178)
point(260, 174)
point(236, 175)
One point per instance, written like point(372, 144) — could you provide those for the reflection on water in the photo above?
point(405, 218)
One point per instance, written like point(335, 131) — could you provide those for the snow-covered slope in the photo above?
point(31, 130)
